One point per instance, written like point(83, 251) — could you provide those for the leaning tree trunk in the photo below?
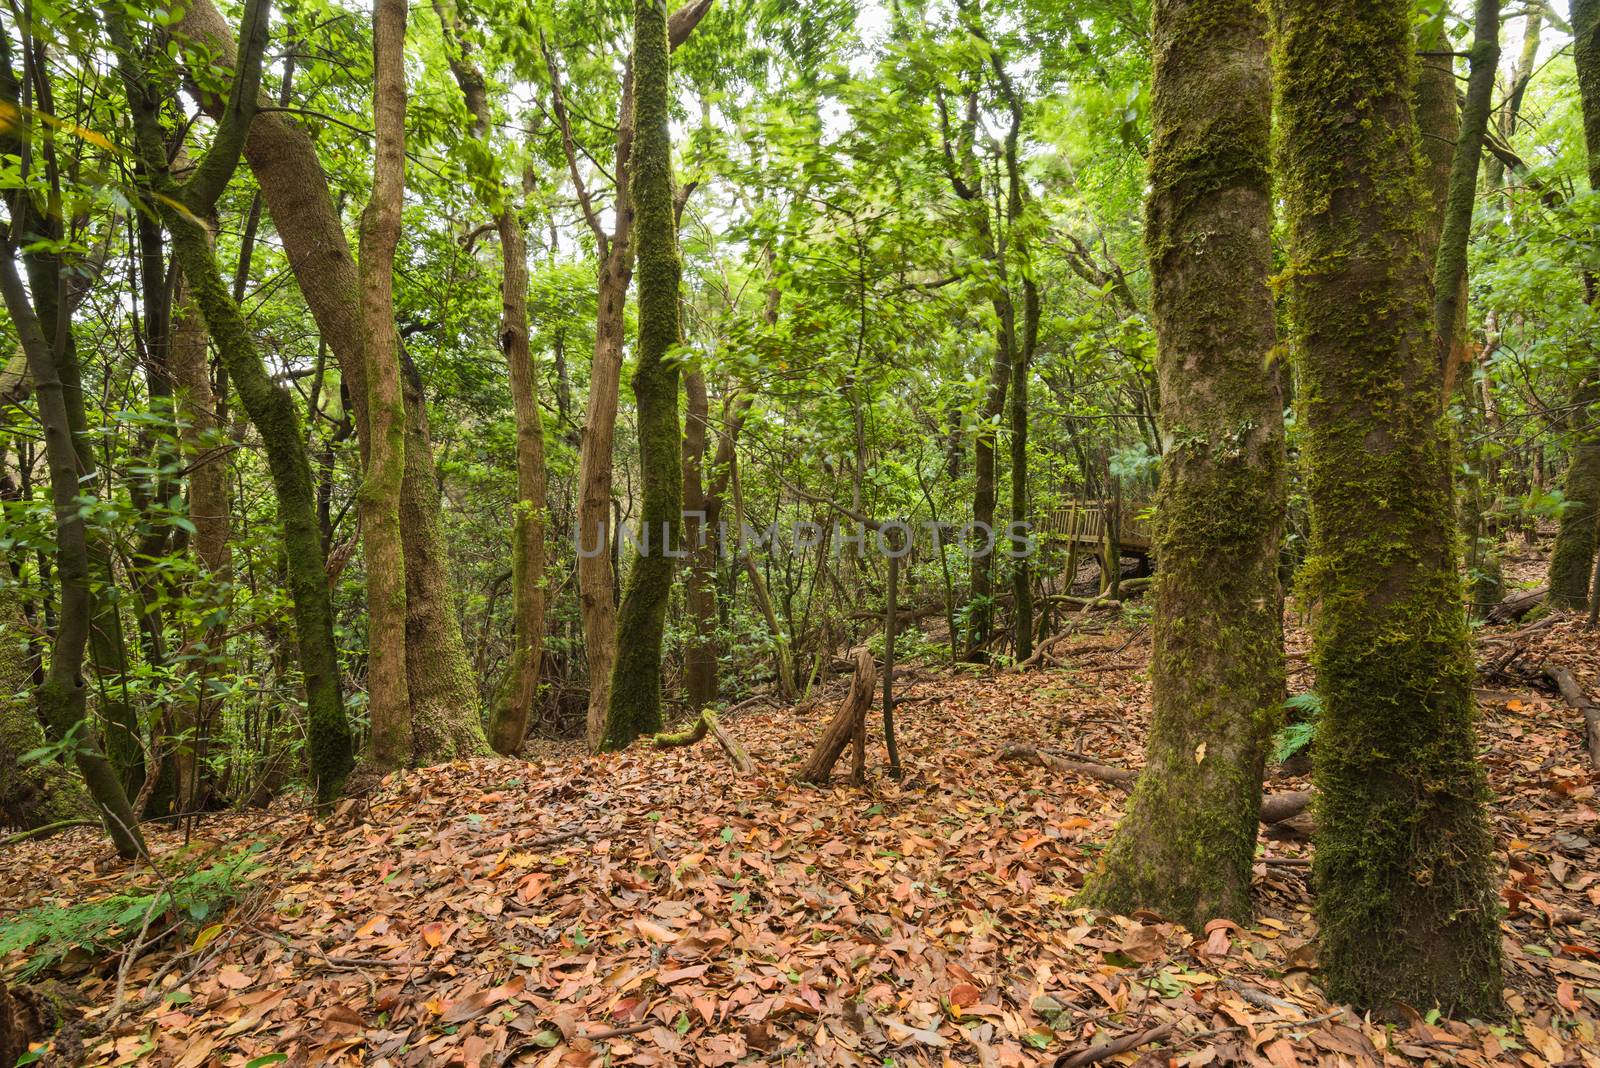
point(1187, 844)
point(1406, 900)
point(1455, 224)
point(1571, 561)
point(635, 703)
point(282, 156)
point(389, 697)
point(271, 407)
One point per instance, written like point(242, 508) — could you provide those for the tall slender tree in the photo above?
point(1406, 898)
point(390, 697)
point(1187, 844)
point(514, 701)
point(635, 702)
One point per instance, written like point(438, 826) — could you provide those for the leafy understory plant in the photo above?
point(47, 934)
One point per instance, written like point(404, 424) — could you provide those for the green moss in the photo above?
point(1405, 891)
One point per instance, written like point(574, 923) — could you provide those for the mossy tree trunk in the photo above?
point(634, 707)
point(270, 406)
point(444, 702)
point(1187, 843)
point(596, 571)
point(389, 697)
point(41, 792)
point(1572, 561)
point(1406, 898)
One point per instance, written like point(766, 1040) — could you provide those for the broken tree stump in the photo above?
point(849, 724)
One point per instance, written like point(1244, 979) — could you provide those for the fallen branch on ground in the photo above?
point(1275, 808)
point(708, 723)
point(1107, 1050)
point(1516, 606)
point(1573, 694)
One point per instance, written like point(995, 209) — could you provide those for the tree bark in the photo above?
point(596, 576)
point(634, 707)
point(1406, 898)
point(445, 707)
point(1186, 845)
point(209, 511)
point(514, 708)
point(40, 792)
point(61, 697)
point(1455, 226)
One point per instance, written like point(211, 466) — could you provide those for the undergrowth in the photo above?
point(47, 934)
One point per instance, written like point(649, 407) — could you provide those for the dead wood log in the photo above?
point(848, 724)
point(708, 723)
point(1275, 808)
point(1516, 606)
point(1017, 753)
point(1573, 694)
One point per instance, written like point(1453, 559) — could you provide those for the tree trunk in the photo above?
point(596, 581)
point(209, 511)
point(389, 699)
point(61, 697)
point(444, 702)
point(514, 708)
point(1572, 559)
point(700, 651)
point(634, 707)
point(1521, 74)
point(1406, 899)
point(1186, 846)
point(1455, 227)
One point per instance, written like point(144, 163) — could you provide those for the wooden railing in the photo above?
point(1084, 522)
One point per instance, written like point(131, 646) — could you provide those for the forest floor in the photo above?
point(655, 907)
